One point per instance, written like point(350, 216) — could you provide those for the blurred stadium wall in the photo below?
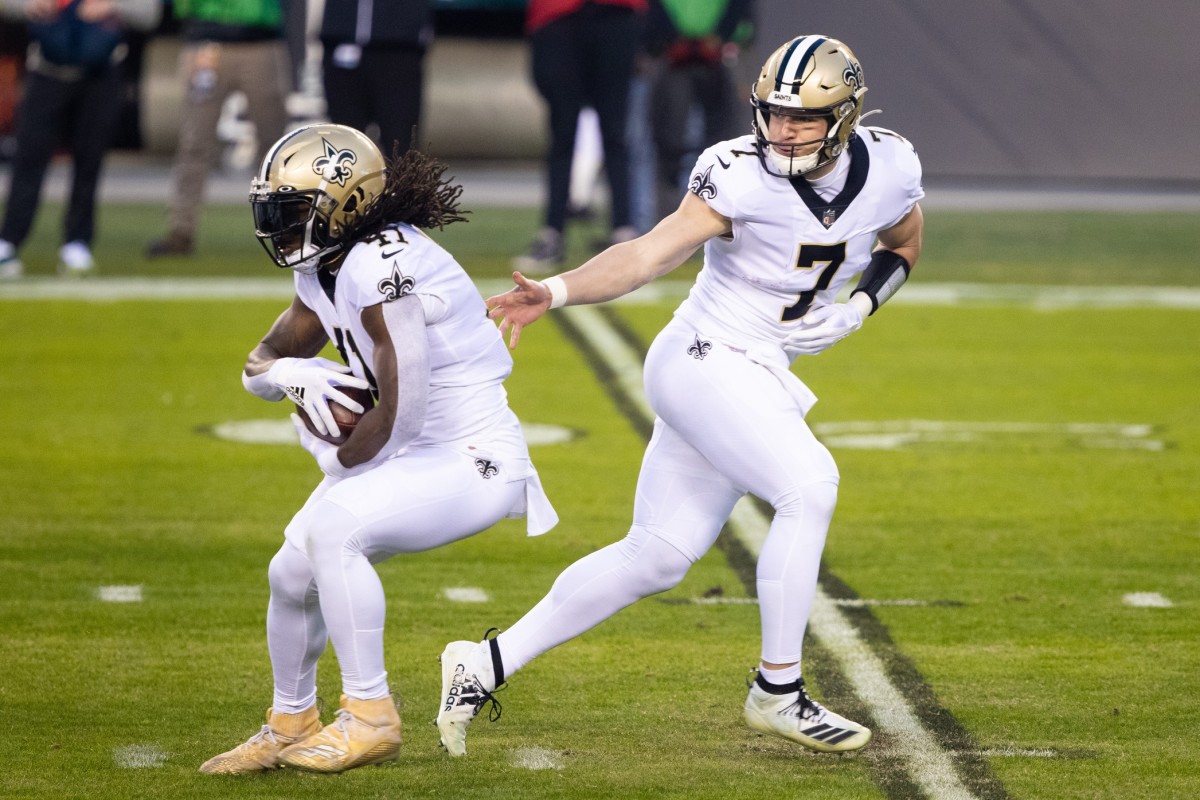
point(1023, 89)
point(1056, 90)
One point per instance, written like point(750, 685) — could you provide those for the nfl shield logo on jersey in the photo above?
point(829, 217)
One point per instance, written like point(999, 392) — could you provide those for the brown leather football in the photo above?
point(345, 418)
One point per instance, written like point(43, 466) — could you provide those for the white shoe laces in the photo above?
point(266, 733)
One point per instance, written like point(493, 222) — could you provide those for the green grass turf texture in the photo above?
point(110, 478)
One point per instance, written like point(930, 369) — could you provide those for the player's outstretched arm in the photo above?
point(613, 273)
point(520, 306)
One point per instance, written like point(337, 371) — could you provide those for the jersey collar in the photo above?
point(828, 213)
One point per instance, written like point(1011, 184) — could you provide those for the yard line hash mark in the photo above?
point(465, 594)
point(120, 594)
point(1147, 600)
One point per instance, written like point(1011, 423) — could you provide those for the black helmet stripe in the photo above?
point(791, 65)
point(269, 159)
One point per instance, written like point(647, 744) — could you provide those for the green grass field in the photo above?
point(1053, 473)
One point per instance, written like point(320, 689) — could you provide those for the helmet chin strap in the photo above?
point(794, 165)
point(311, 264)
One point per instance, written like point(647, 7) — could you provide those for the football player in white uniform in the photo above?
point(438, 458)
point(787, 216)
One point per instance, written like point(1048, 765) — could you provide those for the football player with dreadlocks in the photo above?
point(787, 216)
point(439, 456)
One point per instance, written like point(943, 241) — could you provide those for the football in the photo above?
point(345, 418)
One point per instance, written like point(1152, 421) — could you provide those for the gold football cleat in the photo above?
point(365, 732)
point(261, 751)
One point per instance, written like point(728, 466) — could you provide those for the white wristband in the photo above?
point(558, 291)
point(262, 386)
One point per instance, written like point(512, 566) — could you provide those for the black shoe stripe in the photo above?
point(819, 731)
point(845, 734)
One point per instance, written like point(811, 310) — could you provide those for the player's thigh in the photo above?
point(681, 497)
point(424, 499)
point(737, 414)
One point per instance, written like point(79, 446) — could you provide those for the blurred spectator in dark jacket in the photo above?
point(373, 65)
point(228, 47)
point(582, 54)
point(695, 45)
point(72, 95)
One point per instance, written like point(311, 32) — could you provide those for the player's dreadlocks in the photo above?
point(413, 192)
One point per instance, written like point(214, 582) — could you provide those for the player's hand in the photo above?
point(518, 307)
point(311, 383)
point(325, 453)
point(822, 328)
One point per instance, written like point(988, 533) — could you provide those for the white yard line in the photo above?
point(929, 766)
point(1045, 298)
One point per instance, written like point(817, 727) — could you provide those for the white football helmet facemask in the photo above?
point(810, 76)
point(313, 182)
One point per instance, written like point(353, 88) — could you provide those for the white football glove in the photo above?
point(311, 383)
point(822, 328)
point(325, 453)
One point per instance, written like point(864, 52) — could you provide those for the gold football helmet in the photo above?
point(313, 182)
point(810, 76)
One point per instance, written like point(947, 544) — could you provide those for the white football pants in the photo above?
point(424, 499)
point(726, 426)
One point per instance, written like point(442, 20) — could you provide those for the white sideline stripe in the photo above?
point(120, 594)
point(1045, 298)
point(536, 758)
point(465, 594)
point(928, 765)
point(1147, 600)
point(139, 756)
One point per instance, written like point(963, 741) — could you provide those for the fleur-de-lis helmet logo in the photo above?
point(334, 165)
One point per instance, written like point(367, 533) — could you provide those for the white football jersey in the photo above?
point(790, 250)
point(467, 357)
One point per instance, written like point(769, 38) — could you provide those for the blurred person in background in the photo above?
point(582, 54)
point(694, 46)
point(229, 46)
point(373, 65)
point(72, 95)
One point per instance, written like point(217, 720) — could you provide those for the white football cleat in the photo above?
point(74, 258)
point(467, 684)
point(11, 267)
point(789, 712)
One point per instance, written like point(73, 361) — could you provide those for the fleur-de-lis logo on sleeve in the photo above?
point(334, 165)
point(396, 285)
point(702, 185)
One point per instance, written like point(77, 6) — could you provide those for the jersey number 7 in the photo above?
point(824, 257)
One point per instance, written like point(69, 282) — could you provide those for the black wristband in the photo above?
point(886, 273)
